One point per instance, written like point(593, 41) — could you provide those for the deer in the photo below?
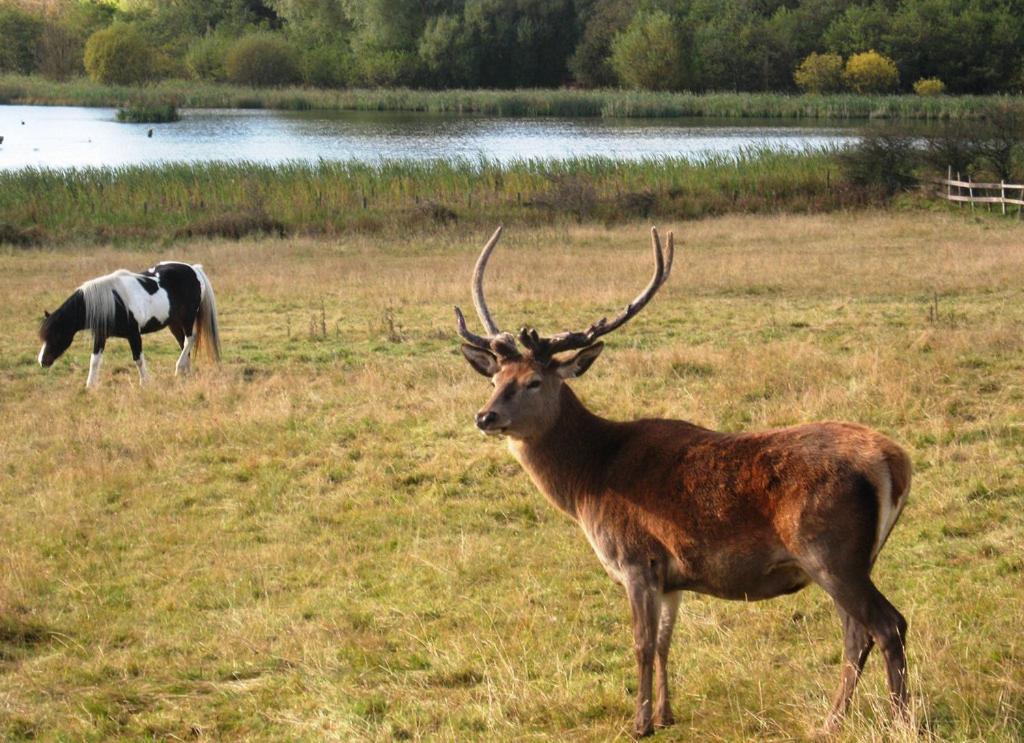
point(669, 506)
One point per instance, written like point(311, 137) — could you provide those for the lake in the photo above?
point(64, 136)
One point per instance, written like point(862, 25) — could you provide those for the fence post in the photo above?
point(970, 191)
point(949, 186)
point(959, 191)
point(1002, 195)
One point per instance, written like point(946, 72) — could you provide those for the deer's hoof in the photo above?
point(643, 729)
point(665, 720)
point(826, 732)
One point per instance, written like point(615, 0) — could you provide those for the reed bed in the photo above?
point(511, 103)
point(148, 112)
point(233, 199)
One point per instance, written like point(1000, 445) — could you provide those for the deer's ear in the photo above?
point(576, 366)
point(483, 361)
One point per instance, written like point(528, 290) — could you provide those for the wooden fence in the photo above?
point(971, 192)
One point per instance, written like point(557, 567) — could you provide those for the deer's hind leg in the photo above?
point(857, 644)
point(867, 616)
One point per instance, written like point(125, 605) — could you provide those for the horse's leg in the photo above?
point(99, 341)
point(178, 333)
point(135, 342)
point(184, 364)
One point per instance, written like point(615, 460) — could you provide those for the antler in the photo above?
point(496, 340)
point(546, 347)
point(543, 348)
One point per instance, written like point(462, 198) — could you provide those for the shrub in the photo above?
point(20, 33)
point(929, 86)
point(20, 237)
point(955, 144)
point(119, 54)
point(386, 67)
point(205, 58)
point(871, 72)
point(262, 59)
point(820, 73)
point(886, 161)
point(1000, 140)
point(649, 55)
point(234, 225)
point(327, 66)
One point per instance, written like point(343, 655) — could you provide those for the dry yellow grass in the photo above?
point(311, 542)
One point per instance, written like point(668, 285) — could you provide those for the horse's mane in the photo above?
point(100, 305)
point(62, 315)
point(48, 322)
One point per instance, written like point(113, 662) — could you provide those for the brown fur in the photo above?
point(670, 506)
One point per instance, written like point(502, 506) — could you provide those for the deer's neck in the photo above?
point(570, 460)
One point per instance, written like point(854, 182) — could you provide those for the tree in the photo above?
point(820, 73)
point(973, 45)
point(871, 72)
point(119, 54)
point(522, 42)
point(860, 27)
point(66, 29)
point(20, 33)
point(590, 63)
point(649, 55)
point(448, 54)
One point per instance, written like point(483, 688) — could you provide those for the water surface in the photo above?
point(64, 136)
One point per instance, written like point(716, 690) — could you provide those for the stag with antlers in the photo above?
point(669, 506)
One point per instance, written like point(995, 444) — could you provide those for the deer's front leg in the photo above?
point(645, 602)
point(667, 622)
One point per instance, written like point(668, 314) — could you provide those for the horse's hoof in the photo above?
point(664, 721)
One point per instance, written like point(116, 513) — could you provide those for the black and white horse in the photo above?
point(123, 304)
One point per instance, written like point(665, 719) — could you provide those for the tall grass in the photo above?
point(535, 102)
point(330, 197)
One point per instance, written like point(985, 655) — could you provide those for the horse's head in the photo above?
point(56, 333)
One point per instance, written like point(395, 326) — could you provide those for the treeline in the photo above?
point(961, 46)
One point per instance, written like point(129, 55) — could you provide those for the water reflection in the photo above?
point(57, 136)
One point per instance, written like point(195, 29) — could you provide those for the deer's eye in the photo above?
point(533, 384)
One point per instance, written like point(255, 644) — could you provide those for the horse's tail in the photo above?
point(207, 334)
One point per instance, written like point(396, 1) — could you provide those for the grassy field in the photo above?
point(509, 103)
point(218, 199)
point(311, 542)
